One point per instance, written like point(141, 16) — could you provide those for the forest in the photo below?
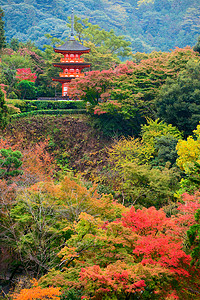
point(99, 194)
point(148, 24)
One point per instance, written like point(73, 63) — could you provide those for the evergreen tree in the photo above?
point(10, 161)
point(197, 46)
point(3, 110)
point(2, 32)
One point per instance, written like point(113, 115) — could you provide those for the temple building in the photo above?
point(71, 64)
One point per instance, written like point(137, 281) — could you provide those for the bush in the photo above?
point(27, 106)
point(49, 112)
point(12, 95)
point(26, 89)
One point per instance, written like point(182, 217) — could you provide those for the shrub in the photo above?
point(50, 112)
point(27, 106)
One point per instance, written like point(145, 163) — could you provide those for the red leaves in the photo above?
point(26, 74)
point(94, 86)
point(145, 221)
point(115, 278)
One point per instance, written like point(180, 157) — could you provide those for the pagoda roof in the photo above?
point(72, 46)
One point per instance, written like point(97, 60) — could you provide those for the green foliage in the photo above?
point(26, 89)
point(27, 106)
point(15, 44)
point(2, 32)
point(165, 147)
point(12, 95)
point(152, 25)
point(197, 46)
point(106, 47)
point(189, 162)
point(10, 62)
point(141, 169)
point(3, 110)
point(72, 294)
point(115, 120)
point(10, 162)
point(57, 112)
point(178, 100)
point(160, 140)
point(194, 235)
point(37, 230)
point(146, 186)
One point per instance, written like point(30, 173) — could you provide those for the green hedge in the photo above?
point(49, 112)
point(34, 105)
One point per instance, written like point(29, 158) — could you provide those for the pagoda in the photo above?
point(72, 63)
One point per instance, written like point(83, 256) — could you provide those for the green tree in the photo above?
point(194, 235)
point(178, 102)
point(3, 110)
point(133, 163)
point(107, 48)
point(10, 162)
point(26, 89)
point(197, 46)
point(2, 36)
point(165, 147)
point(15, 44)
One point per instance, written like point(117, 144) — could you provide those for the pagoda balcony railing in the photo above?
point(79, 60)
point(71, 75)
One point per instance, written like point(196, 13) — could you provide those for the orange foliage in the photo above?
point(76, 198)
point(37, 162)
point(38, 293)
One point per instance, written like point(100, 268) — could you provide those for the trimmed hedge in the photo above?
point(34, 105)
point(49, 112)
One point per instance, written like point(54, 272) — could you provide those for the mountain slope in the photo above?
point(149, 24)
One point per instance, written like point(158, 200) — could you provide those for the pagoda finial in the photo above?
point(72, 25)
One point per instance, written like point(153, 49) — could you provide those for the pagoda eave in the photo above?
point(71, 64)
point(71, 51)
point(64, 79)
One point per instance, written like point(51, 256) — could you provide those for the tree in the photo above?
point(2, 37)
point(26, 89)
point(139, 256)
point(41, 221)
point(133, 161)
point(106, 47)
point(3, 110)
point(189, 161)
point(15, 44)
point(193, 235)
point(10, 161)
point(197, 46)
point(26, 74)
point(94, 87)
point(36, 292)
point(140, 82)
point(178, 100)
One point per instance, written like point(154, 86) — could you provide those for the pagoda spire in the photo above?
point(72, 25)
point(72, 63)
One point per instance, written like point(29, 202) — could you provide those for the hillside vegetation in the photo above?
point(148, 24)
point(100, 197)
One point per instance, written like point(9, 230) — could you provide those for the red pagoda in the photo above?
point(71, 64)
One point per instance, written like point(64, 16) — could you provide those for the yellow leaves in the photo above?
point(127, 150)
point(38, 293)
point(189, 152)
point(67, 253)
